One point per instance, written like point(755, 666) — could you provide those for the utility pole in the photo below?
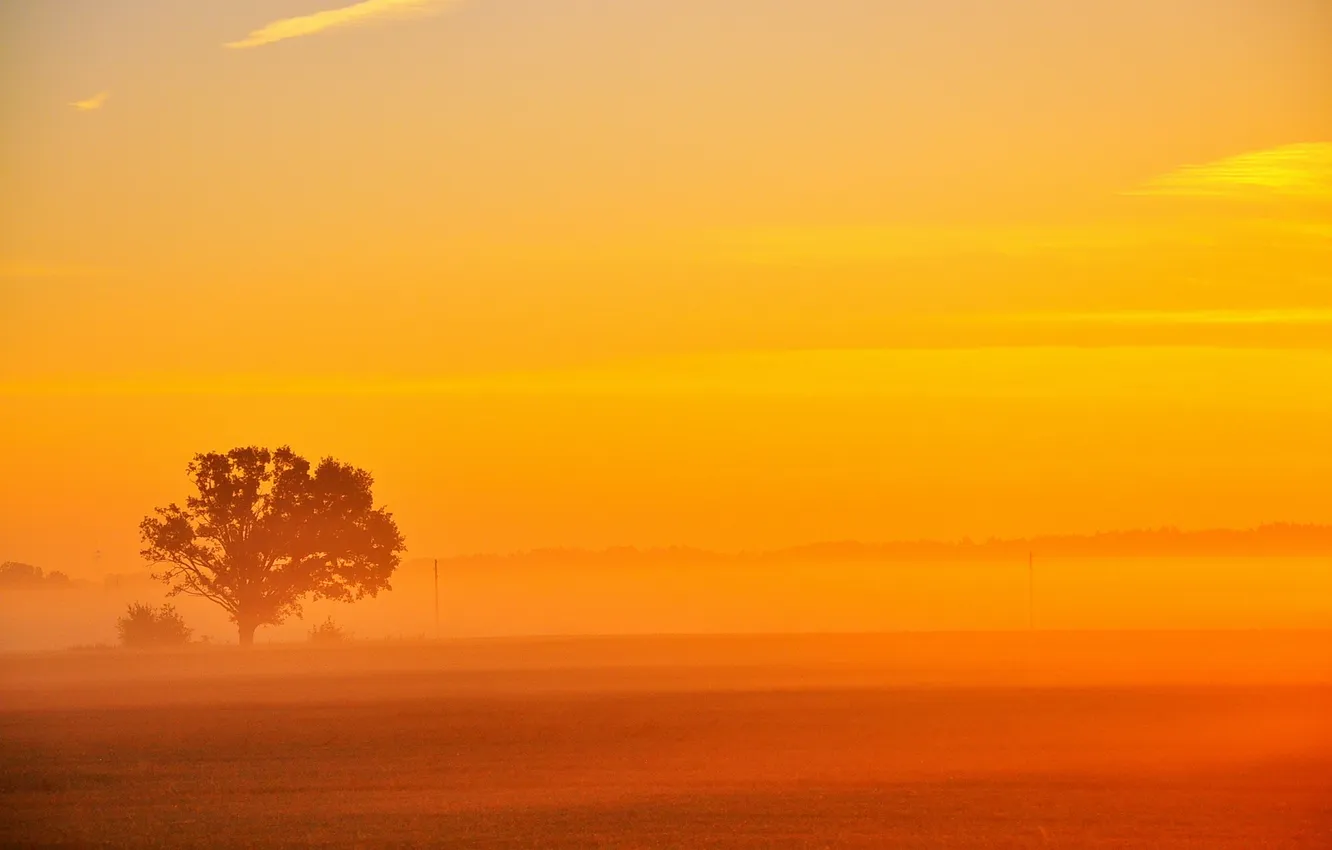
point(437, 599)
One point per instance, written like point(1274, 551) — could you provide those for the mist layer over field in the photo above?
point(679, 595)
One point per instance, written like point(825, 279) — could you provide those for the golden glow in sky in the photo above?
point(738, 275)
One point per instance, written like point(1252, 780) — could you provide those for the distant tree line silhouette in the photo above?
point(1274, 540)
point(18, 575)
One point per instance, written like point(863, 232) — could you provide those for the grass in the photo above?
point(986, 768)
point(363, 754)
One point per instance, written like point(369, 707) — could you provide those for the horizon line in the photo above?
point(1321, 531)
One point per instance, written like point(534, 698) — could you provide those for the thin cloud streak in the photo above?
point(1063, 370)
point(91, 104)
point(1213, 335)
point(39, 271)
point(780, 246)
point(1311, 316)
point(358, 13)
point(1292, 171)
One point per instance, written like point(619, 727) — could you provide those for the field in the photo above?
point(667, 743)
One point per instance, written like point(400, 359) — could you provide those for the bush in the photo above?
point(329, 632)
point(146, 626)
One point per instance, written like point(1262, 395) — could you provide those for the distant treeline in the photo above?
point(1271, 541)
point(14, 574)
point(1280, 540)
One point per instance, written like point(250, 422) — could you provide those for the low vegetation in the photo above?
point(329, 632)
point(144, 626)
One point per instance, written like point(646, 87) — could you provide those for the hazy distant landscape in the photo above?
point(1271, 577)
point(942, 733)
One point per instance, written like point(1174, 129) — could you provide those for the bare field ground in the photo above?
point(781, 742)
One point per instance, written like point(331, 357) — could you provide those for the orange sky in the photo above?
point(738, 274)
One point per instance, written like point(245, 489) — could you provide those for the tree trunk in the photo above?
point(247, 632)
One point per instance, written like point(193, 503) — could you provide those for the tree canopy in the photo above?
point(264, 532)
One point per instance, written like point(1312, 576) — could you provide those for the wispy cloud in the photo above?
point(97, 101)
point(852, 244)
point(1287, 316)
point(17, 271)
point(1298, 171)
point(357, 13)
point(1064, 370)
point(871, 244)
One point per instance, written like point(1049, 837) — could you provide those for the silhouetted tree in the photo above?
point(146, 626)
point(264, 532)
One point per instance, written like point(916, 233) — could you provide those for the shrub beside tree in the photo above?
point(329, 632)
point(145, 627)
